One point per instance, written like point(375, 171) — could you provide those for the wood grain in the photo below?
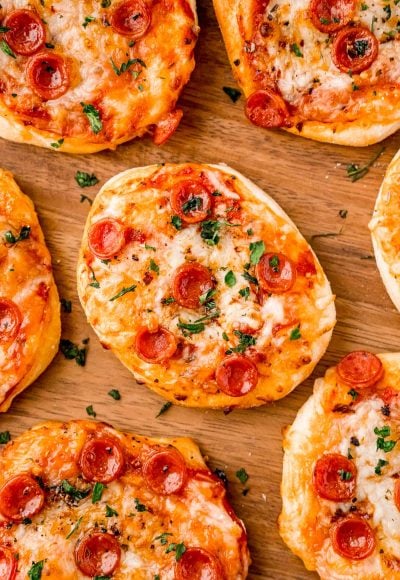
point(309, 181)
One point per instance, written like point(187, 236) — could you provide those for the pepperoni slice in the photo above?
point(397, 494)
point(10, 320)
point(334, 477)
point(354, 49)
point(8, 564)
point(236, 375)
point(331, 15)
point(48, 75)
point(26, 34)
point(266, 108)
point(167, 126)
point(276, 273)
point(198, 564)
point(102, 460)
point(155, 347)
point(352, 538)
point(165, 471)
point(190, 282)
point(21, 497)
point(106, 238)
point(131, 18)
point(97, 554)
point(191, 200)
point(360, 368)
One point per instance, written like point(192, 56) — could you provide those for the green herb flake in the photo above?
point(35, 572)
point(98, 491)
point(356, 172)
point(116, 395)
point(245, 341)
point(176, 222)
point(296, 50)
point(189, 328)
point(84, 179)
point(230, 279)
point(164, 409)
point(345, 475)
point(24, 234)
point(206, 296)
point(154, 267)
point(5, 437)
point(250, 278)
point(125, 66)
point(242, 475)
point(163, 538)
point(88, 20)
point(110, 512)
point(295, 333)
point(93, 116)
point(193, 204)
point(147, 247)
point(383, 431)
point(123, 292)
point(140, 507)
point(179, 550)
point(5, 47)
point(225, 336)
point(169, 300)
point(381, 463)
point(74, 528)
point(232, 93)
point(72, 351)
point(94, 283)
point(66, 305)
point(57, 144)
point(4, 29)
point(257, 250)
point(353, 394)
point(245, 292)
point(73, 492)
point(90, 411)
point(386, 446)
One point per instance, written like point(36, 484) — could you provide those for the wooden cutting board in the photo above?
point(309, 181)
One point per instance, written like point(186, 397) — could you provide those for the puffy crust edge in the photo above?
point(360, 133)
point(51, 327)
point(266, 391)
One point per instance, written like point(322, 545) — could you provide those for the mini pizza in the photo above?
point(385, 230)
point(324, 69)
point(341, 472)
point(29, 304)
point(81, 499)
point(83, 75)
point(202, 286)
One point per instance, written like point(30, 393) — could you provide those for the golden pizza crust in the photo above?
point(385, 230)
point(145, 522)
point(173, 381)
point(327, 423)
point(41, 325)
point(359, 133)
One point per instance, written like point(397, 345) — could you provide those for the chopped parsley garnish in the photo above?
point(5, 437)
point(72, 351)
point(353, 394)
point(5, 47)
point(49, 45)
point(176, 222)
point(232, 93)
point(154, 267)
point(225, 336)
point(381, 463)
point(24, 234)
point(88, 20)
point(296, 50)
point(94, 283)
point(230, 279)
point(163, 538)
point(382, 433)
point(139, 507)
point(57, 144)
point(74, 528)
point(164, 408)
point(209, 231)
point(123, 292)
point(193, 204)
point(84, 179)
point(126, 65)
point(191, 327)
point(364, 6)
point(245, 341)
point(244, 292)
point(90, 411)
point(274, 263)
point(179, 550)
point(295, 334)
point(355, 172)
point(168, 300)
point(242, 475)
point(93, 116)
point(110, 512)
point(388, 11)
point(361, 46)
point(345, 475)
point(105, 3)
point(35, 572)
point(147, 247)
point(4, 29)
point(73, 492)
point(116, 395)
point(257, 250)
point(66, 305)
point(206, 297)
point(98, 491)
point(250, 278)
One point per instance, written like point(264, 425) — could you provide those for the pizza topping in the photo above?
point(21, 497)
point(397, 494)
point(266, 108)
point(10, 320)
point(360, 368)
point(190, 282)
point(353, 538)
point(102, 460)
point(48, 75)
point(8, 564)
point(191, 200)
point(275, 273)
point(165, 471)
point(331, 15)
point(131, 18)
point(236, 375)
point(354, 49)
point(167, 126)
point(25, 33)
point(155, 346)
point(106, 238)
point(97, 554)
point(197, 564)
point(334, 477)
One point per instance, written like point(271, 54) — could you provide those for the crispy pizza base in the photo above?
point(325, 424)
point(145, 523)
point(385, 230)
point(26, 266)
point(172, 382)
point(360, 133)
